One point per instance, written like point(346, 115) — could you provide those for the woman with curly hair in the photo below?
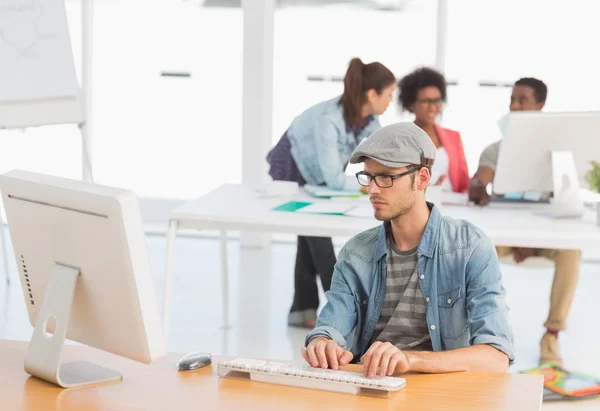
point(423, 92)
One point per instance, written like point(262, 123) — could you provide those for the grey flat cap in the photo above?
point(397, 145)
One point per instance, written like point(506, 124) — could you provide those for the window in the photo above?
point(158, 135)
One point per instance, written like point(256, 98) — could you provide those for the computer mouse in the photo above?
point(194, 361)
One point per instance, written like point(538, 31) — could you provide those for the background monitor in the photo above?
point(525, 158)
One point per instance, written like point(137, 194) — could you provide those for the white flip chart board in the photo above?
point(38, 82)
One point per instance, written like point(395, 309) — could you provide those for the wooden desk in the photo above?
point(161, 387)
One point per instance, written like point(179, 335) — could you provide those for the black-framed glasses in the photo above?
point(382, 181)
point(430, 101)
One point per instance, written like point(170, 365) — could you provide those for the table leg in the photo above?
point(224, 280)
point(168, 280)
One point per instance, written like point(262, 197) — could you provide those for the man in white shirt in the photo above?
point(530, 94)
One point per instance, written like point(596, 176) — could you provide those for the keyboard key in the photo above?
point(251, 363)
point(276, 365)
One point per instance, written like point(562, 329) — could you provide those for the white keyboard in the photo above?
point(308, 377)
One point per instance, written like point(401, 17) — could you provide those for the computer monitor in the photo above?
point(85, 274)
point(525, 158)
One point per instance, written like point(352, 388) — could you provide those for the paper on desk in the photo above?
point(321, 191)
point(326, 207)
point(292, 206)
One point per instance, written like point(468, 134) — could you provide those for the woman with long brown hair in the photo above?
point(315, 150)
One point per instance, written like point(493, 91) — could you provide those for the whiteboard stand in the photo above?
point(87, 37)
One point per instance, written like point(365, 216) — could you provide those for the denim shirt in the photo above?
point(322, 144)
point(459, 276)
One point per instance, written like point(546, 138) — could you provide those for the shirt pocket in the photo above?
point(452, 313)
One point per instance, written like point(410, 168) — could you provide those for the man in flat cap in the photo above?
point(422, 292)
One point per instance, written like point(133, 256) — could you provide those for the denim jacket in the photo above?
point(459, 276)
point(322, 144)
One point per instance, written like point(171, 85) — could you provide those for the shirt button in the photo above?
point(364, 302)
point(433, 326)
point(418, 254)
point(427, 299)
point(422, 277)
point(449, 300)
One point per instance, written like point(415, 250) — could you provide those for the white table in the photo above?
point(239, 208)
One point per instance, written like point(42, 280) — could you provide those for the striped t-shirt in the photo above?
point(402, 321)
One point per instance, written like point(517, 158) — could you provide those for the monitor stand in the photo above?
point(44, 354)
point(567, 197)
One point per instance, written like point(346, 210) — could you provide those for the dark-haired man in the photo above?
point(530, 94)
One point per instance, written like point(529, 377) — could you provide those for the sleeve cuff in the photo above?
point(498, 343)
point(486, 163)
point(327, 332)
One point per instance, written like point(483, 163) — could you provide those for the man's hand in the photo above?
point(323, 352)
point(385, 357)
point(521, 254)
point(478, 192)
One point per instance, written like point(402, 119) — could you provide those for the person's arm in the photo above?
point(386, 359)
point(473, 358)
point(464, 179)
point(326, 346)
point(484, 175)
point(326, 139)
point(487, 311)
point(338, 318)
point(478, 185)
